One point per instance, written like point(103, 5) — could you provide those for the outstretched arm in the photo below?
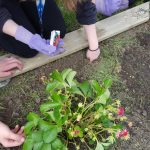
point(91, 36)
point(86, 15)
point(93, 52)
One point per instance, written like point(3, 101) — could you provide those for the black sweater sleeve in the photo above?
point(86, 12)
point(4, 16)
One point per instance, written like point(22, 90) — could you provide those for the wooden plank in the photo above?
point(75, 41)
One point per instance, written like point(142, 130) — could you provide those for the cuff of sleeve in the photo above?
point(84, 21)
point(86, 13)
point(4, 16)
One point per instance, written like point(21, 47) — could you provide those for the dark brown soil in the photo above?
point(26, 92)
point(136, 76)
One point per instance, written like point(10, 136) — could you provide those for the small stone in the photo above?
point(130, 124)
point(38, 100)
point(144, 113)
point(15, 114)
point(139, 111)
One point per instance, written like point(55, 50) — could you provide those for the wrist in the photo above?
point(93, 50)
point(93, 46)
point(91, 36)
point(23, 35)
point(10, 27)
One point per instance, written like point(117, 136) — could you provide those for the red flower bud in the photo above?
point(76, 132)
point(122, 134)
point(121, 111)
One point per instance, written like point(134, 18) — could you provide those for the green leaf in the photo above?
point(106, 144)
point(99, 146)
point(107, 83)
point(51, 115)
point(76, 90)
point(47, 106)
point(28, 127)
point(62, 120)
point(28, 144)
point(104, 97)
point(55, 97)
point(59, 129)
point(46, 147)
point(64, 148)
point(44, 126)
point(96, 87)
point(33, 117)
point(57, 76)
point(57, 114)
point(57, 144)
point(64, 98)
point(118, 126)
point(70, 135)
point(70, 78)
point(54, 115)
point(85, 88)
point(50, 135)
point(98, 107)
point(111, 139)
point(91, 142)
point(38, 146)
point(106, 122)
point(37, 136)
point(65, 73)
point(53, 85)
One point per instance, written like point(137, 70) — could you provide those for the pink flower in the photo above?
point(121, 111)
point(122, 134)
point(118, 134)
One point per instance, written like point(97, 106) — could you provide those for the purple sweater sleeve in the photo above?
point(86, 12)
point(4, 16)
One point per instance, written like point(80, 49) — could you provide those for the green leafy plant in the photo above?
point(75, 112)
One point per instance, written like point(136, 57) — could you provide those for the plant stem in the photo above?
point(87, 145)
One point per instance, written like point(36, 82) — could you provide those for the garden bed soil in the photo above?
point(136, 75)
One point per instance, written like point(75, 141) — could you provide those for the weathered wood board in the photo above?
point(76, 40)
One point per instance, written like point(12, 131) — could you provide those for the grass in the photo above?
point(70, 17)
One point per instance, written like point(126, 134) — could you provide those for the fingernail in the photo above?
point(22, 127)
point(22, 139)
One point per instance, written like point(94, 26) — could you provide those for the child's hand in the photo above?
point(11, 138)
point(7, 65)
point(59, 48)
point(92, 55)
